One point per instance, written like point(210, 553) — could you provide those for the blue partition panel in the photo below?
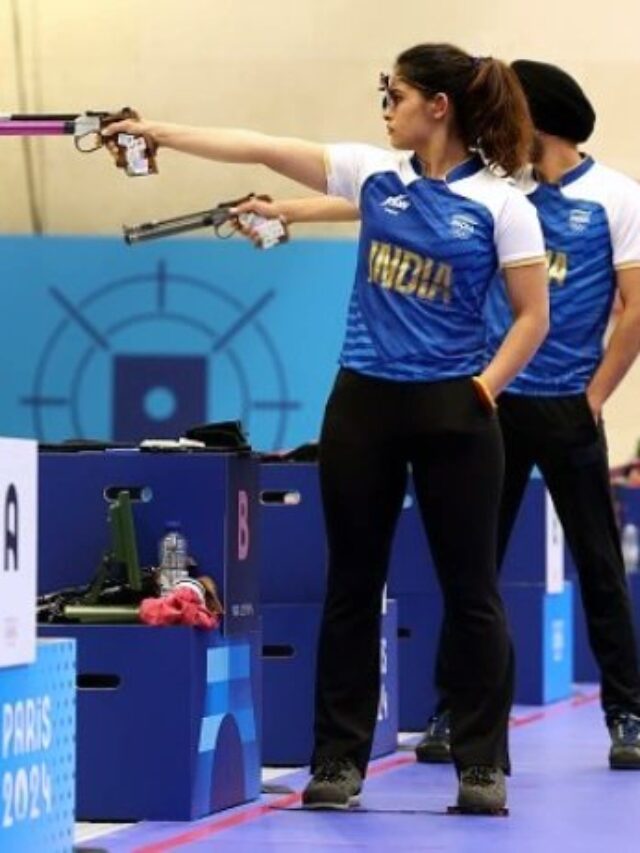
point(411, 568)
point(214, 496)
point(633, 579)
point(535, 553)
point(168, 721)
point(37, 761)
point(289, 657)
point(419, 620)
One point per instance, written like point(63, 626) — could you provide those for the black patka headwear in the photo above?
point(557, 103)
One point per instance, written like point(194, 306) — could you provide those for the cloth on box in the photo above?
point(184, 605)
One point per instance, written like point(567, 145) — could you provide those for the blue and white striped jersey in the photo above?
point(427, 253)
point(591, 225)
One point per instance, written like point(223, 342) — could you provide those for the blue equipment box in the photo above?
point(535, 553)
point(168, 721)
point(541, 625)
point(293, 548)
point(293, 541)
point(289, 657)
point(213, 495)
point(37, 758)
point(585, 668)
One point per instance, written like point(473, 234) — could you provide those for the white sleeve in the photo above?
point(625, 225)
point(348, 166)
point(518, 234)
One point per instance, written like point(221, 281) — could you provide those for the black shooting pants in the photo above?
point(372, 430)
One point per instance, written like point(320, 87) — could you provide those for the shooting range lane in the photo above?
point(560, 783)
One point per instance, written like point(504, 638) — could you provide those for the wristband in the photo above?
point(482, 390)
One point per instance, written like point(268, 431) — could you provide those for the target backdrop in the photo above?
point(106, 341)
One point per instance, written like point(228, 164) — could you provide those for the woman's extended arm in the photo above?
point(311, 209)
point(297, 159)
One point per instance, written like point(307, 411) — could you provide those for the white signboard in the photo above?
point(18, 550)
point(554, 547)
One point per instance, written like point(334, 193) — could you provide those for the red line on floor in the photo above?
point(585, 698)
point(378, 769)
point(237, 819)
point(516, 722)
point(553, 710)
point(256, 812)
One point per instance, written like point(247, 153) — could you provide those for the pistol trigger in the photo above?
point(84, 148)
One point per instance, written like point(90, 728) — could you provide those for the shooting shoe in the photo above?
point(435, 745)
point(625, 742)
point(336, 784)
point(482, 790)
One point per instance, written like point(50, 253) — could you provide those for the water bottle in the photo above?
point(172, 557)
point(630, 547)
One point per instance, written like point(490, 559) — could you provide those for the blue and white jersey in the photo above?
point(428, 251)
point(591, 225)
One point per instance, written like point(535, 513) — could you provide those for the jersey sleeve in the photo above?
point(348, 166)
point(625, 225)
point(518, 235)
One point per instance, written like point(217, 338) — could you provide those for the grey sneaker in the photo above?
point(482, 790)
point(625, 742)
point(435, 746)
point(336, 784)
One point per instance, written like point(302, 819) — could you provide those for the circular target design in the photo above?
point(150, 355)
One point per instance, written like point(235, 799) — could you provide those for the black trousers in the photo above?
point(372, 430)
point(559, 435)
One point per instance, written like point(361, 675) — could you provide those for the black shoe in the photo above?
point(625, 742)
point(336, 784)
point(435, 746)
point(482, 790)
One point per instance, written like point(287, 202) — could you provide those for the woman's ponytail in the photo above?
point(491, 109)
point(494, 116)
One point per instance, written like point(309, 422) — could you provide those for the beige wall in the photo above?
point(300, 67)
